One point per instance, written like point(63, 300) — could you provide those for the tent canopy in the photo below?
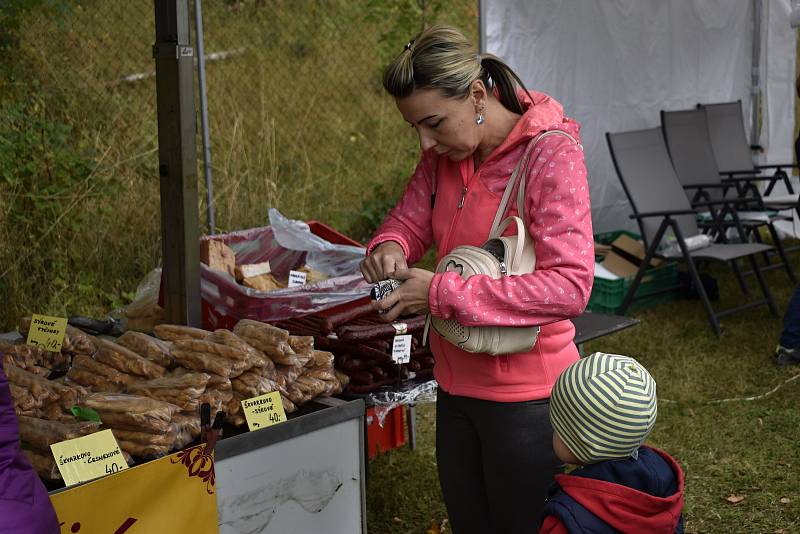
point(615, 65)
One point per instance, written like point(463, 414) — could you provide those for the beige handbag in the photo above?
point(499, 256)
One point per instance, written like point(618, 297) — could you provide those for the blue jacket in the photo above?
point(632, 495)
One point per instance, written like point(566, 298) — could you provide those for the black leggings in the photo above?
point(495, 461)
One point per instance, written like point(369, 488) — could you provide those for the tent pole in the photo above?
point(481, 26)
point(755, 75)
point(177, 162)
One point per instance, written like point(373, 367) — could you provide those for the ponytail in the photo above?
point(495, 73)
point(441, 57)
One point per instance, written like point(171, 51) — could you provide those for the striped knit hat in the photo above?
point(603, 407)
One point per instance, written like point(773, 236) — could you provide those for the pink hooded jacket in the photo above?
point(461, 213)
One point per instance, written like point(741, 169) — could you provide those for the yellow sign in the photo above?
point(47, 332)
point(174, 494)
point(264, 411)
point(88, 457)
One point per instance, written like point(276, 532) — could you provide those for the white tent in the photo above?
point(614, 64)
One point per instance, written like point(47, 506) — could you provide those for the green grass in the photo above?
point(743, 448)
point(298, 121)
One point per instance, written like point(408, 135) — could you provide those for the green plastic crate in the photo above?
point(607, 295)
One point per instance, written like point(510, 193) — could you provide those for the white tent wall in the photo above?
point(778, 70)
point(615, 64)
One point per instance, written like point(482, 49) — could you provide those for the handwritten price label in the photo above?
point(401, 349)
point(264, 411)
point(88, 457)
point(297, 278)
point(47, 332)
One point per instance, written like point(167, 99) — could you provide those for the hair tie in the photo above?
point(408, 44)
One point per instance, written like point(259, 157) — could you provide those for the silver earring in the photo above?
point(480, 119)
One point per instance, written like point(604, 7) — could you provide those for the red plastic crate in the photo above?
point(391, 436)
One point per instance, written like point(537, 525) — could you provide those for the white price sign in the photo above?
point(297, 278)
point(401, 349)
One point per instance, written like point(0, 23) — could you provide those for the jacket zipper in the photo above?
point(464, 190)
point(463, 195)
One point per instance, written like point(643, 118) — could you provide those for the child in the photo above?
point(602, 408)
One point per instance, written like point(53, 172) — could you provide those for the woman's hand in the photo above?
point(385, 259)
point(410, 298)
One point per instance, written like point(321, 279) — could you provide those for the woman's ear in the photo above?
point(478, 95)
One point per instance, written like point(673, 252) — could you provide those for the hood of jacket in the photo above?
point(542, 112)
point(633, 495)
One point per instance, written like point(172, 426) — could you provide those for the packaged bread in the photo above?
point(143, 450)
point(210, 347)
point(252, 384)
point(41, 433)
point(183, 391)
point(255, 357)
point(93, 381)
point(38, 387)
point(174, 332)
point(263, 331)
point(288, 405)
point(301, 343)
point(312, 275)
point(24, 402)
point(249, 270)
point(167, 439)
point(43, 463)
point(290, 373)
point(126, 360)
point(310, 385)
point(217, 255)
point(111, 374)
point(262, 282)
point(187, 422)
point(202, 361)
point(323, 359)
point(78, 342)
point(149, 347)
point(132, 412)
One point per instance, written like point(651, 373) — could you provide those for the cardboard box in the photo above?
point(626, 256)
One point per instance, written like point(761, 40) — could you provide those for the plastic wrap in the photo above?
point(324, 256)
point(256, 245)
point(410, 392)
point(41, 433)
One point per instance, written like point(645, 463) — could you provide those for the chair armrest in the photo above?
point(661, 214)
point(778, 166)
point(746, 179)
point(705, 186)
point(748, 171)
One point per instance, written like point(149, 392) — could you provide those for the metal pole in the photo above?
point(755, 75)
point(177, 158)
point(481, 26)
point(201, 75)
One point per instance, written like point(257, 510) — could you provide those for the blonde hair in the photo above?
point(441, 57)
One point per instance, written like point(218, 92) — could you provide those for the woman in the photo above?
point(24, 504)
point(474, 120)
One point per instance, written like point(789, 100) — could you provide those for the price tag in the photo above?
point(264, 411)
point(297, 278)
point(401, 349)
point(47, 332)
point(88, 457)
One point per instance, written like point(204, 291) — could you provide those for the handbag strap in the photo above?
point(522, 164)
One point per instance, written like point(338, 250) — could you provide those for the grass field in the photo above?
point(741, 448)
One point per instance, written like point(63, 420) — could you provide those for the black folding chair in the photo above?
point(690, 149)
point(659, 204)
point(733, 152)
